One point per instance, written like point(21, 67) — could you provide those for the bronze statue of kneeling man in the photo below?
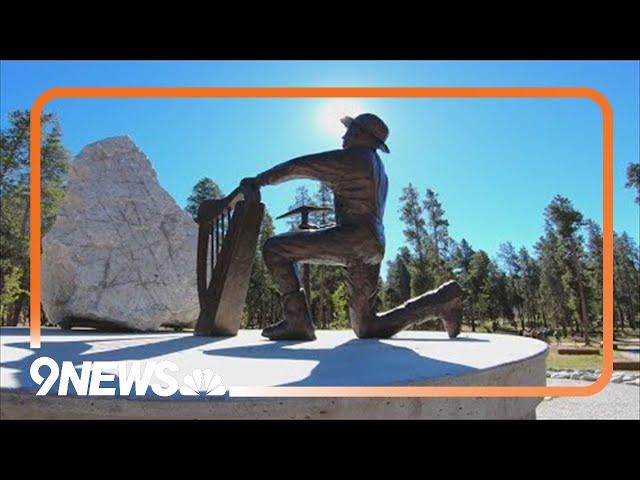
point(359, 183)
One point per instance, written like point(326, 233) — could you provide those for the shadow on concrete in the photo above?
point(76, 351)
point(59, 332)
point(435, 340)
point(357, 362)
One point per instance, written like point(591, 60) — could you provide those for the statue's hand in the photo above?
point(251, 182)
point(206, 210)
point(250, 187)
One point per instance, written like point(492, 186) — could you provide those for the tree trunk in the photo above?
point(618, 321)
point(322, 320)
point(585, 318)
point(597, 308)
point(14, 316)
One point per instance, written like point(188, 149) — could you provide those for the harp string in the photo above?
point(220, 227)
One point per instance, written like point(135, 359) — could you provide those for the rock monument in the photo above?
point(121, 252)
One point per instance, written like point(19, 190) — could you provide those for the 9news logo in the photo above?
point(91, 379)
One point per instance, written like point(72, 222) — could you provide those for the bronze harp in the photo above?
point(228, 231)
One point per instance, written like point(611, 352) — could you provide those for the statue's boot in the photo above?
point(445, 303)
point(451, 315)
point(296, 324)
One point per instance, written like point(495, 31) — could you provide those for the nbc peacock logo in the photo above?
point(202, 383)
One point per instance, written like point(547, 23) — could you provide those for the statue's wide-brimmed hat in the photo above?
point(373, 125)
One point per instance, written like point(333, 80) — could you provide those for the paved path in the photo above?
point(632, 353)
point(616, 401)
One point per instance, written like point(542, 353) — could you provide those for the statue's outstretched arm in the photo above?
point(325, 167)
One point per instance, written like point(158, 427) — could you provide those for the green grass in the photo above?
point(577, 362)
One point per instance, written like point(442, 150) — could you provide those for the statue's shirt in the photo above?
point(356, 175)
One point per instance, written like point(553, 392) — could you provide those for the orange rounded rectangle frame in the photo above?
point(345, 92)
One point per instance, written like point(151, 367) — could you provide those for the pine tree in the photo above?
point(340, 302)
point(303, 197)
point(411, 213)
point(14, 191)
point(398, 285)
point(633, 179)
point(325, 279)
point(10, 286)
point(323, 198)
point(565, 221)
point(477, 287)
point(262, 306)
point(530, 278)
point(437, 224)
point(626, 280)
point(554, 306)
point(594, 267)
point(513, 281)
point(205, 189)
point(439, 243)
point(461, 257)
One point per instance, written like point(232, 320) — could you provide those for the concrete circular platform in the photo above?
point(336, 358)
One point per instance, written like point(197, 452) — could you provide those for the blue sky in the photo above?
point(496, 164)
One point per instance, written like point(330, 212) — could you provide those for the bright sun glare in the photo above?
point(331, 113)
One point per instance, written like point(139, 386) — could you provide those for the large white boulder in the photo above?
point(121, 253)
